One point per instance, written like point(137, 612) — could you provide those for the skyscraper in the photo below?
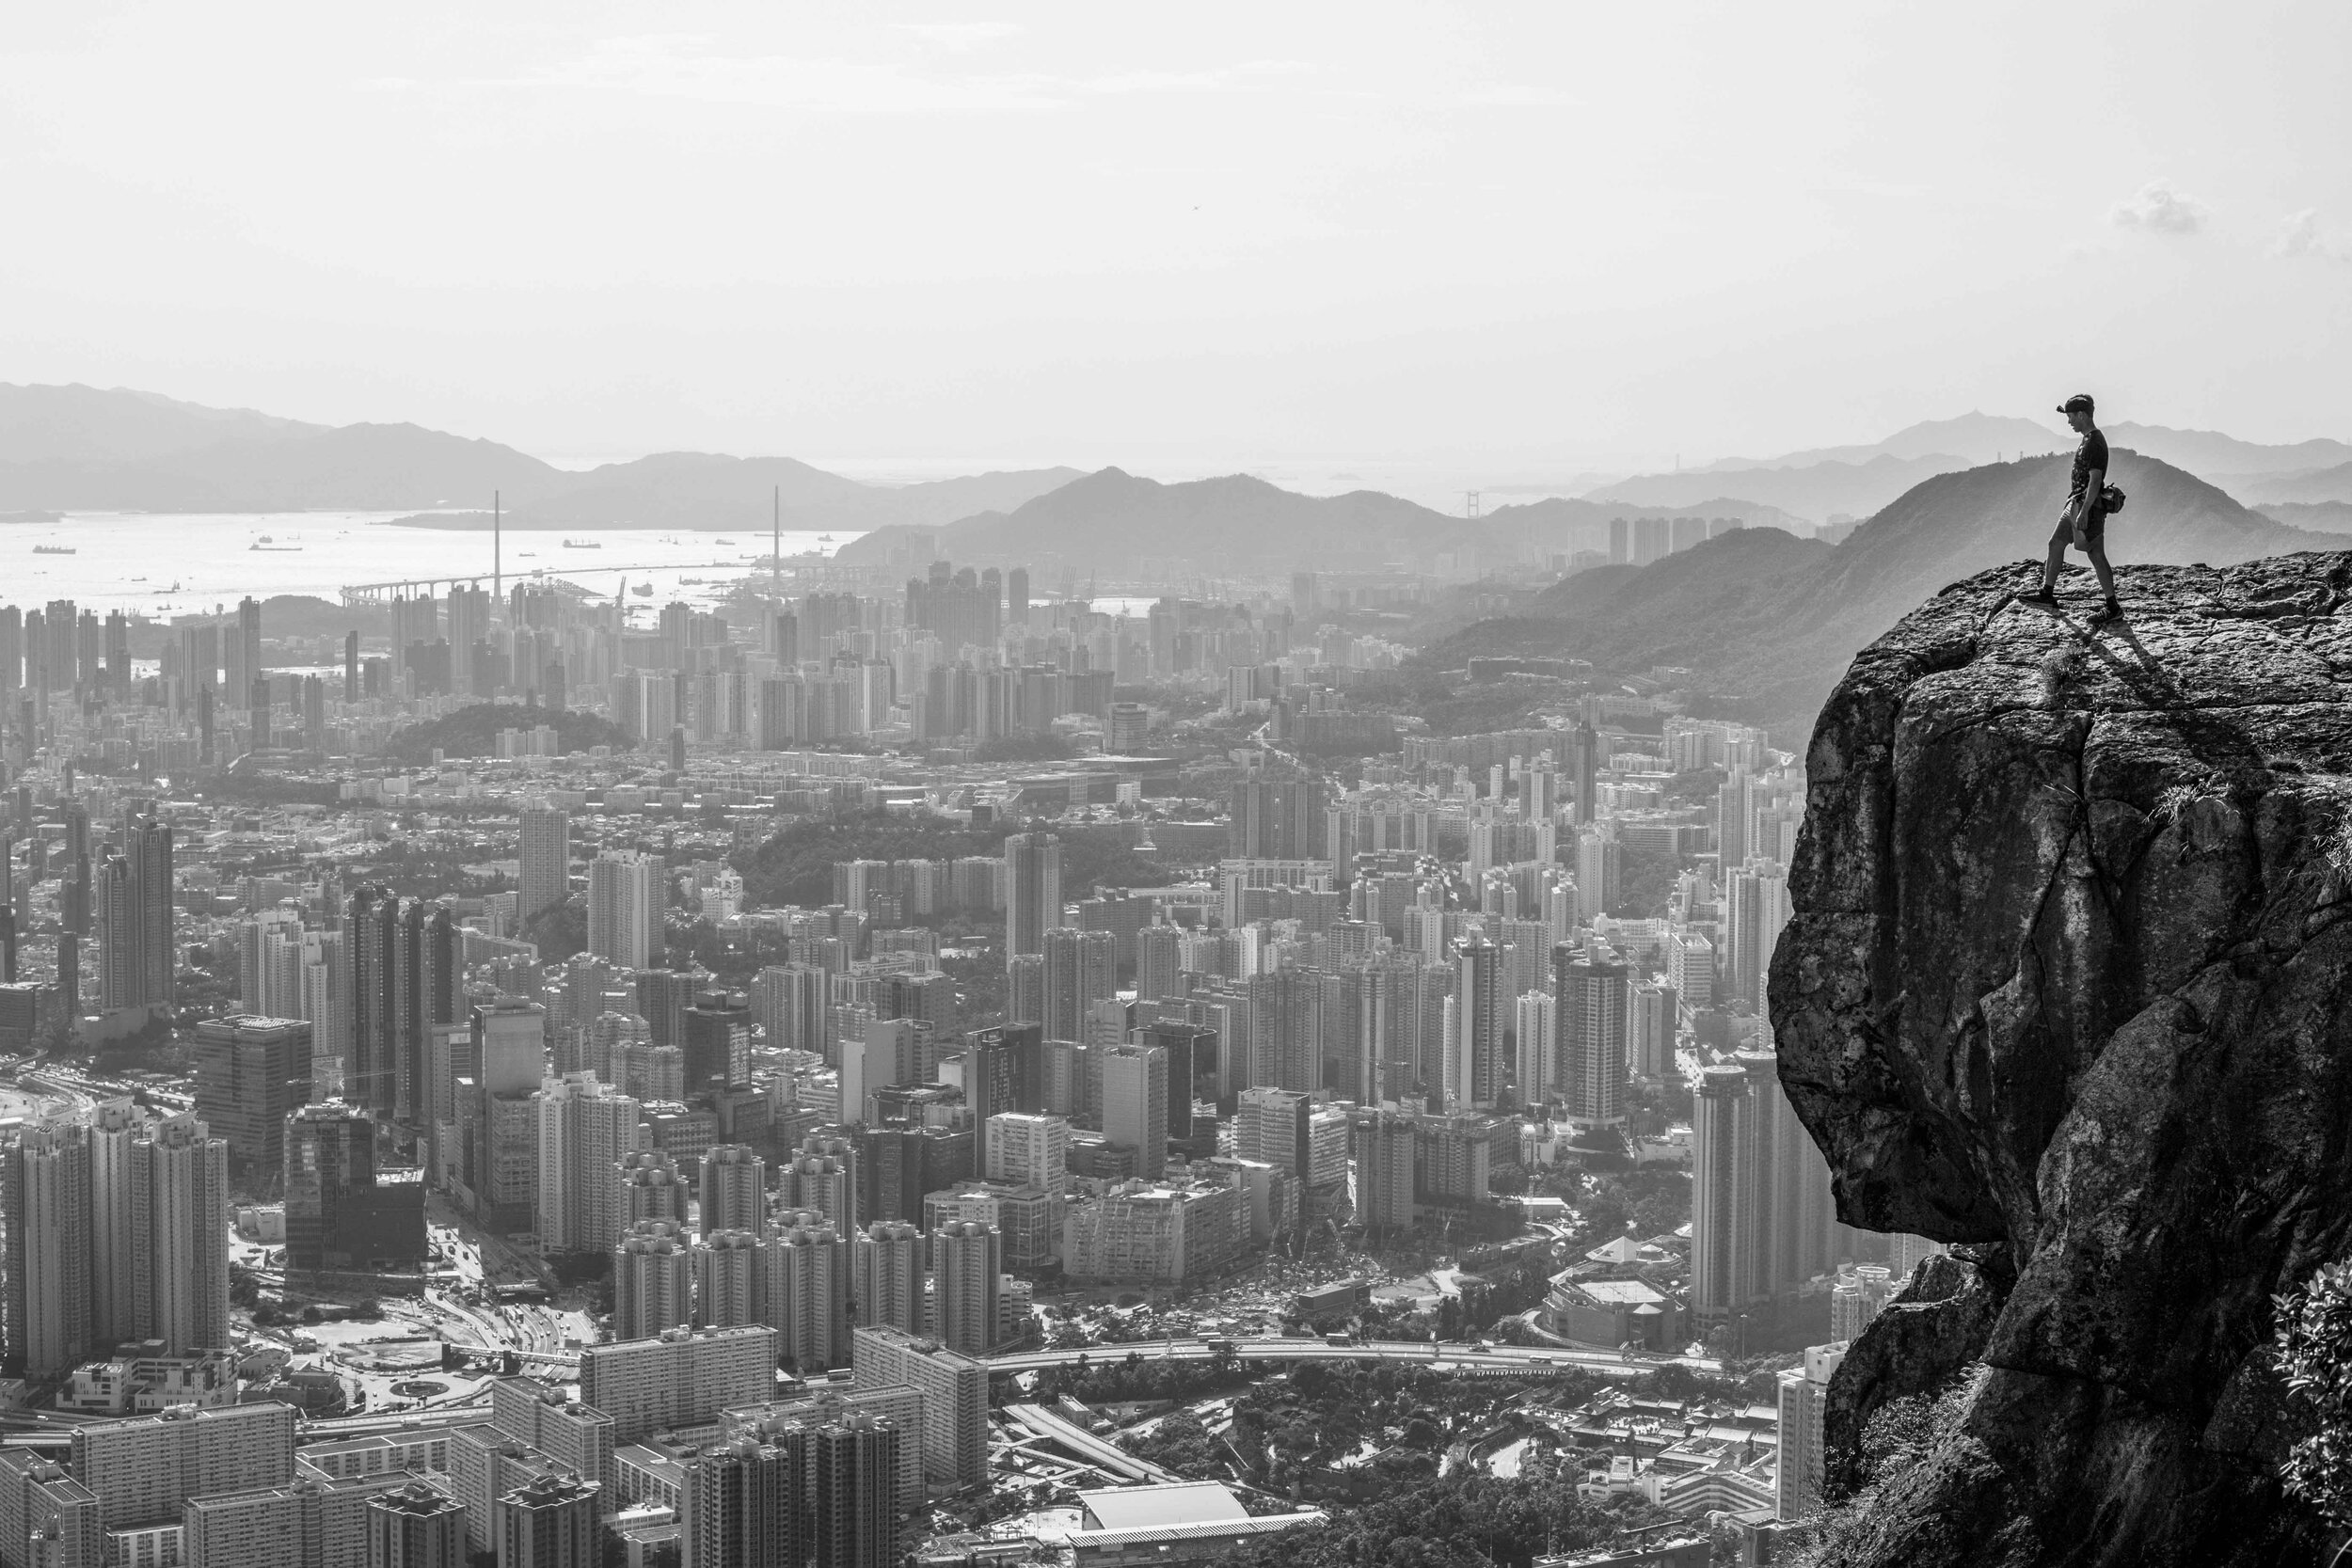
point(1589, 1012)
point(1483, 1017)
point(1032, 895)
point(546, 859)
point(1081, 969)
point(250, 1073)
point(1722, 1203)
point(626, 891)
point(370, 943)
point(136, 918)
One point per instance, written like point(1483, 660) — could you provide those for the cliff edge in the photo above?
point(2067, 978)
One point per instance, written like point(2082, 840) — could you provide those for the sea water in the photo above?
point(181, 563)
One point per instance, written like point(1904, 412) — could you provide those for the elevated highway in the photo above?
point(1459, 1357)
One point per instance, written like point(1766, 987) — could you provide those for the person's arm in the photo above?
point(2093, 482)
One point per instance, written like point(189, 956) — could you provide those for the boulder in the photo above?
point(2067, 978)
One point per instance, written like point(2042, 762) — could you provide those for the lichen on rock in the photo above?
point(2066, 979)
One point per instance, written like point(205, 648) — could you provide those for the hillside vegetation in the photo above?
point(474, 732)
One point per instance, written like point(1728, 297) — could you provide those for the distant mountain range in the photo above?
point(80, 447)
point(1856, 480)
point(1113, 519)
point(1773, 620)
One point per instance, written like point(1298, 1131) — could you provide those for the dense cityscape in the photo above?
point(892, 1061)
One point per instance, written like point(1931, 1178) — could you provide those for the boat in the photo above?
point(726, 541)
point(53, 549)
point(824, 538)
point(581, 545)
point(277, 550)
point(643, 590)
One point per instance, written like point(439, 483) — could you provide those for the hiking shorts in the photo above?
point(2095, 529)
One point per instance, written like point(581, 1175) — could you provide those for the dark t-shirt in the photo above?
point(2091, 455)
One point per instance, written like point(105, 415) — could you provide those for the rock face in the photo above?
point(2070, 976)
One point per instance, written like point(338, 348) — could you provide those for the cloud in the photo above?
point(2300, 235)
point(2160, 208)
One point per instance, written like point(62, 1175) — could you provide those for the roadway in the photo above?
point(1457, 1356)
point(1102, 1456)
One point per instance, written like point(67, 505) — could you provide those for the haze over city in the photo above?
point(1396, 786)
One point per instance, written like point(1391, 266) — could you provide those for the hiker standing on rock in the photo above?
point(2084, 521)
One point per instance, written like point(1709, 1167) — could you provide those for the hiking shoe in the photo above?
point(2108, 611)
point(2041, 598)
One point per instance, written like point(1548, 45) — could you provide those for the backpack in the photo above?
point(2112, 500)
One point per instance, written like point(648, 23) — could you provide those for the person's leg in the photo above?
point(2098, 553)
point(2051, 567)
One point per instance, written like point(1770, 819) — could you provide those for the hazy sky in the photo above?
point(1541, 234)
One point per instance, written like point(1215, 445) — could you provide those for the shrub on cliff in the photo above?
point(2315, 1353)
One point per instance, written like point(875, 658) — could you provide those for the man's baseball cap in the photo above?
point(2080, 402)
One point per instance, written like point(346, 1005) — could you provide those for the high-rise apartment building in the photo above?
point(179, 1216)
point(625, 896)
point(47, 1175)
point(808, 1291)
point(682, 1378)
point(955, 1398)
point(1032, 896)
point(416, 1527)
point(736, 1507)
point(967, 1264)
point(887, 1287)
point(730, 1280)
point(1755, 907)
point(549, 1522)
point(1382, 1144)
point(1081, 969)
point(1589, 1012)
point(1482, 1019)
point(653, 1280)
point(791, 1001)
point(144, 1469)
point(585, 1129)
point(546, 859)
point(1026, 1149)
point(733, 1190)
point(135, 915)
point(1804, 1398)
point(1723, 1222)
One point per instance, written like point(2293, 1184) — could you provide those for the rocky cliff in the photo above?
point(2067, 979)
